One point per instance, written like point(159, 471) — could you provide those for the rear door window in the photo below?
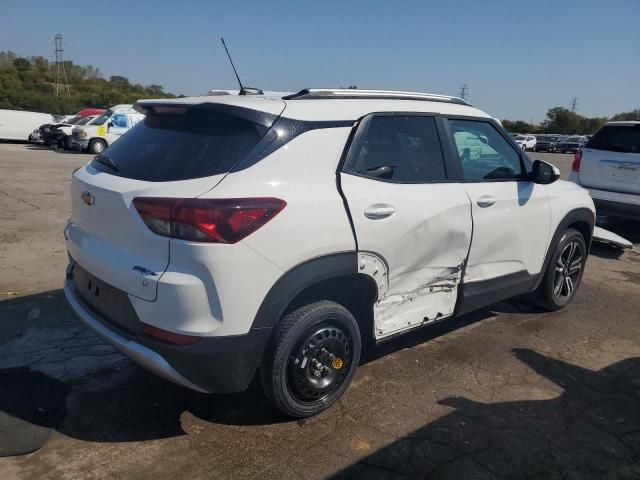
point(617, 138)
point(397, 148)
point(179, 144)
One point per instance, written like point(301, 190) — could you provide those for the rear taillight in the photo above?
point(577, 158)
point(207, 220)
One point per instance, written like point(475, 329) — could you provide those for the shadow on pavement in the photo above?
point(592, 430)
point(31, 405)
point(109, 398)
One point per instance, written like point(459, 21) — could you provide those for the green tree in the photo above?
point(29, 84)
point(626, 116)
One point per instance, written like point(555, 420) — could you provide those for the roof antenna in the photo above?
point(243, 91)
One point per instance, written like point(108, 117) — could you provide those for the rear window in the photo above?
point(181, 144)
point(617, 138)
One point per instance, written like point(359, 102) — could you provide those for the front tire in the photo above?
point(564, 272)
point(97, 146)
point(313, 356)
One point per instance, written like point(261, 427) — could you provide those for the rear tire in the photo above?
point(97, 146)
point(564, 272)
point(314, 353)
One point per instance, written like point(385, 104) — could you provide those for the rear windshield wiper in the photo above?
point(107, 161)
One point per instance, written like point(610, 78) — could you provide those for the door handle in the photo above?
point(485, 201)
point(379, 211)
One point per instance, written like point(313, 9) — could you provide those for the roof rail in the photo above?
point(352, 94)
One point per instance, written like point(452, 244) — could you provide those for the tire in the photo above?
point(97, 146)
point(314, 353)
point(555, 292)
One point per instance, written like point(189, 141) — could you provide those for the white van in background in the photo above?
point(106, 129)
point(18, 125)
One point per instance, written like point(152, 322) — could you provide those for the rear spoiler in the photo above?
point(265, 119)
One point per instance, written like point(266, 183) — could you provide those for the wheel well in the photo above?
point(585, 229)
point(355, 292)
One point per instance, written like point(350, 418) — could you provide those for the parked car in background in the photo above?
point(177, 232)
point(609, 167)
point(106, 129)
point(19, 125)
point(571, 144)
point(62, 133)
point(46, 131)
point(547, 143)
point(526, 142)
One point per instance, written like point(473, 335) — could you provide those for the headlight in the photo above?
point(83, 134)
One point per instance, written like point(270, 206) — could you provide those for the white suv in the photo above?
point(526, 142)
point(609, 166)
point(225, 235)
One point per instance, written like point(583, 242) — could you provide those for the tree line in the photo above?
point(564, 121)
point(29, 84)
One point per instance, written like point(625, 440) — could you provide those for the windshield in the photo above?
point(182, 143)
point(521, 137)
point(617, 138)
point(101, 119)
point(84, 120)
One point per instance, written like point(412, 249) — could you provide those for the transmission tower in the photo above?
point(61, 74)
point(574, 104)
point(464, 91)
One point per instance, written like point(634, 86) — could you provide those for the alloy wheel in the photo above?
point(567, 271)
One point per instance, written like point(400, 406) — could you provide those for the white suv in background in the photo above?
point(226, 235)
point(609, 167)
point(526, 142)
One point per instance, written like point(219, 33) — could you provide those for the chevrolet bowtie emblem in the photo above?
point(87, 197)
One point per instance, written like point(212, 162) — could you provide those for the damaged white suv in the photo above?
point(229, 235)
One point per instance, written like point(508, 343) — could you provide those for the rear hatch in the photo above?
point(611, 159)
point(178, 152)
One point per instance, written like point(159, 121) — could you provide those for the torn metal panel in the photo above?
point(428, 301)
point(605, 236)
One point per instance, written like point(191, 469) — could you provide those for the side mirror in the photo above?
point(110, 124)
point(543, 173)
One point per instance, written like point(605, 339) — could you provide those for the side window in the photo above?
point(483, 152)
point(399, 148)
point(119, 121)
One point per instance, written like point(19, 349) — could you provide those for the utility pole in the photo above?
point(574, 104)
point(464, 91)
point(60, 71)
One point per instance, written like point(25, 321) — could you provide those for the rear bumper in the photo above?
point(613, 204)
point(617, 209)
point(213, 364)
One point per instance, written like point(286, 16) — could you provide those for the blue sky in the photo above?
point(518, 58)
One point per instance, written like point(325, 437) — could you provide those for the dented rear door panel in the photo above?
point(413, 240)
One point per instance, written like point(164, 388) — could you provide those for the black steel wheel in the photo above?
point(313, 355)
point(319, 363)
point(564, 272)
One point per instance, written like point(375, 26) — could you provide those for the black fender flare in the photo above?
point(299, 278)
point(578, 215)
